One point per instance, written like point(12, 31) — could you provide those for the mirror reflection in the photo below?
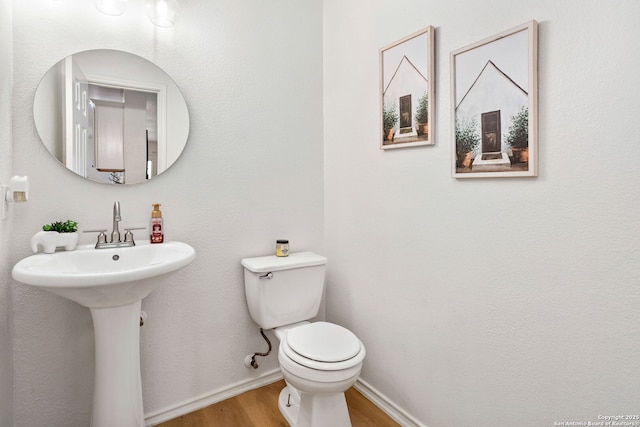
point(111, 116)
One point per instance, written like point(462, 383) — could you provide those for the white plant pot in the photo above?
point(48, 241)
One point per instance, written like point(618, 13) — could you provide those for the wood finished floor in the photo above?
point(259, 408)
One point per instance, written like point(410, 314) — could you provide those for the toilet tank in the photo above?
point(284, 290)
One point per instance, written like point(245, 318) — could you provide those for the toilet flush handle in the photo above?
point(269, 275)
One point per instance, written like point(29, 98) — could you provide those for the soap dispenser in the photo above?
point(157, 233)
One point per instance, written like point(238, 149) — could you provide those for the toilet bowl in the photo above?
point(319, 362)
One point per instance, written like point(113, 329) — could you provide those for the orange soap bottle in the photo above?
point(157, 232)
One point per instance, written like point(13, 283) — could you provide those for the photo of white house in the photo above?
point(492, 98)
point(405, 93)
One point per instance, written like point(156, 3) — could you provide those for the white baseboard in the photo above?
point(210, 398)
point(386, 405)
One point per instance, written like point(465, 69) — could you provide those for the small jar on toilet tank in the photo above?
point(282, 247)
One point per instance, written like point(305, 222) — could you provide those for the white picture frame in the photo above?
point(494, 106)
point(407, 88)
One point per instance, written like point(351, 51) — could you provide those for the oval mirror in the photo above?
point(111, 116)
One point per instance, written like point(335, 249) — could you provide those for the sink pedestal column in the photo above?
point(117, 396)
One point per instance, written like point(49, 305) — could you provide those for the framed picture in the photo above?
point(495, 106)
point(406, 91)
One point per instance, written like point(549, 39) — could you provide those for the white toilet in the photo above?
point(319, 360)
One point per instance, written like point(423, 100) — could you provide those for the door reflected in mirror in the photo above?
point(111, 116)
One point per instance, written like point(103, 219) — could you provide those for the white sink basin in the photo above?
point(112, 283)
point(97, 278)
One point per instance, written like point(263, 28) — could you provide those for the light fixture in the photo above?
point(163, 13)
point(111, 7)
point(16, 191)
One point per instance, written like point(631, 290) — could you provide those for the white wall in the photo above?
point(6, 81)
point(251, 73)
point(490, 302)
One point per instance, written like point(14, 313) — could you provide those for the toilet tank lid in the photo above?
point(264, 264)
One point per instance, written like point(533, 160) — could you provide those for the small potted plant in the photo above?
point(518, 137)
point(422, 115)
point(54, 235)
point(389, 120)
point(467, 141)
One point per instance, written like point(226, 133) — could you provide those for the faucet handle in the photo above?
point(128, 235)
point(102, 237)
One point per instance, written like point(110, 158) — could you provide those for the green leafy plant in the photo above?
point(518, 136)
point(467, 136)
point(422, 112)
point(62, 227)
point(389, 116)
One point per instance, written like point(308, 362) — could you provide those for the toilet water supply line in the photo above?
point(250, 360)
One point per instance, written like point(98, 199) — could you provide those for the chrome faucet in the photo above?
point(116, 241)
point(115, 234)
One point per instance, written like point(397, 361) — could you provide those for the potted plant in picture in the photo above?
point(518, 136)
point(55, 235)
point(422, 115)
point(389, 120)
point(467, 141)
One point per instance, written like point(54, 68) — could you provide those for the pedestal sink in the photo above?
point(111, 283)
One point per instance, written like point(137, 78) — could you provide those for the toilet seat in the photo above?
point(323, 346)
